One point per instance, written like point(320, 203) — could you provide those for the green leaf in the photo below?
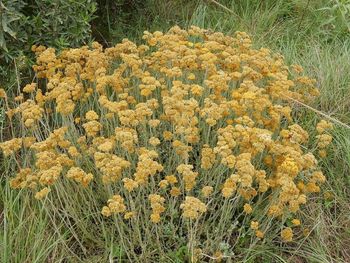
point(8, 29)
point(2, 41)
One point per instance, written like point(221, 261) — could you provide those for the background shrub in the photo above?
point(57, 23)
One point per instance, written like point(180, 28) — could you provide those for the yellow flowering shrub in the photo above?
point(192, 125)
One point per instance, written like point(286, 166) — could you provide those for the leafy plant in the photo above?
point(338, 13)
point(56, 23)
point(11, 25)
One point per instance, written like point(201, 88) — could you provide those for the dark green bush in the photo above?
point(56, 23)
point(12, 28)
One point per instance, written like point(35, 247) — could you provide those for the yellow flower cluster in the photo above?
point(29, 88)
point(24, 179)
point(189, 115)
point(48, 164)
point(11, 146)
point(208, 157)
point(3, 94)
point(110, 165)
point(42, 193)
point(207, 191)
point(192, 207)
point(92, 128)
point(146, 166)
point(157, 203)
point(254, 225)
point(189, 177)
point(30, 111)
point(287, 234)
point(130, 184)
point(79, 175)
point(127, 137)
point(323, 139)
point(115, 205)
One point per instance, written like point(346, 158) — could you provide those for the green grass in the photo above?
point(66, 230)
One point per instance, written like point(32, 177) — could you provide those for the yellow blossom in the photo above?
point(91, 116)
point(106, 211)
point(254, 225)
point(247, 208)
point(171, 179)
point(323, 125)
point(175, 191)
point(207, 190)
point(192, 207)
point(130, 184)
point(154, 123)
point(163, 184)
point(259, 234)
point(296, 222)
point(79, 175)
point(287, 234)
point(157, 207)
point(154, 141)
point(155, 218)
point(115, 205)
point(129, 215)
point(42, 193)
point(3, 93)
point(167, 135)
point(29, 88)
